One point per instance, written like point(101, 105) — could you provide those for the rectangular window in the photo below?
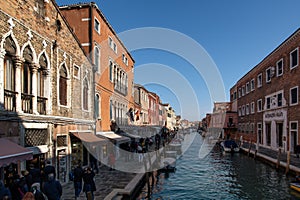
point(294, 96)
point(247, 109)
point(268, 75)
point(268, 100)
point(259, 133)
point(279, 66)
point(268, 134)
point(243, 90)
point(240, 92)
point(243, 110)
point(279, 99)
point(294, 58)
point(259, 105)
point(294, 135)
point(259, 80)
point(234, 95)
point(97, 25)
point(252, 107)
point(252, 84)
point(240, 111)
point(247, 87)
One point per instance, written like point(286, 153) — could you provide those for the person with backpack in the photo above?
point(89, 186)
point(77, 178)
point(52, 188)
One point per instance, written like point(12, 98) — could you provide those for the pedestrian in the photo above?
point(4, 192)
point(89, 186)
point(38, 194)
point(78, 173)
point(52, 188)
point(49, 169)
point(35, 173)
point(28, 196)
point(28, 178)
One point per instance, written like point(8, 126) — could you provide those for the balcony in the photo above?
point(10, 100)
point(122, 89)
point(41, 105)
point(26, 100)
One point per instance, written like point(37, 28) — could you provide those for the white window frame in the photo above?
point(99, 55)
point(243, 90)
point(268, 76)
point(292, 67)
point(292, 104)
point(252, 110)
point(295, 130)
point(97, 28)
point(247, 87)
point(247, 109)
point(259, 105)
point(240, 93)
point(243, 110)
point(259, 128)
point(259, 80)
point(277, 67)
point(252, 84)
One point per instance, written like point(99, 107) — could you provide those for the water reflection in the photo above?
point(219, 176)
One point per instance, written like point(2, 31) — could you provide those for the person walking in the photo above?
point(89, 186)
point(52, 188)
point(78, 173)
point(38, 194)
point(4, 192)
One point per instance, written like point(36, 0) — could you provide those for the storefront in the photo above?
point(11, 156)
point(275, 129)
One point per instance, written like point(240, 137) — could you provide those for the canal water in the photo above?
point(220, 176)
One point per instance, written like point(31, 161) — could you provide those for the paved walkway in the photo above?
point(105, 180)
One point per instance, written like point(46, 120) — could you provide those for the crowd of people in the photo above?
point(33, 184)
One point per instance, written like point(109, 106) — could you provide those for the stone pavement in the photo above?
point(105, 180)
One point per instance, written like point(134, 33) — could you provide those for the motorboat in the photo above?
point(295, 186)
point(230, 146)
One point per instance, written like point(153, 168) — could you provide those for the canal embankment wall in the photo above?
point(290, 163)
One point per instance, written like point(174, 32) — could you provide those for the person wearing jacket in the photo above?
point(52, 188)
point(89, 186)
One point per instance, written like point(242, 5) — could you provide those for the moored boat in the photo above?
point(230, 146)
point(295, 186)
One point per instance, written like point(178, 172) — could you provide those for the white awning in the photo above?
point(119, 139)
point(39, 149)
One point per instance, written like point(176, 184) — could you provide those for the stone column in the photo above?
point(18, 63)
point(34, 68)
point(2, 55)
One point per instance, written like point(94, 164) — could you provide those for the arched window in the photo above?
point(97, 106)
point(26, 71)
point(97, 59)
point(63, 77)
point(9, 68)
point(9, 75)
point(41, 76)
point(85, 95)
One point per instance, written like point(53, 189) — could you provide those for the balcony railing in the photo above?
point(121, 88)
point(10, 100)
point(27, 103)
point(41, 105)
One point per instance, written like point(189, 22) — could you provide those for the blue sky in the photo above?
point(233, 35)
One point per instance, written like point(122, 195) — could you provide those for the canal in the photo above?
point(220, 176)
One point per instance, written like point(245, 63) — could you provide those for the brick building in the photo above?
point(113, 64)
point(46, 87)
point(267, 98)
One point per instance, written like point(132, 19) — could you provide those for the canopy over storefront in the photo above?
point(118, 139)
point(11, 152)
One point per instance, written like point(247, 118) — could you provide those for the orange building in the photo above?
point(113, 64)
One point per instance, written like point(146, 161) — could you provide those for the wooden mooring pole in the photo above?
point(288, 160)
point(249, 148)
point(278, 158)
